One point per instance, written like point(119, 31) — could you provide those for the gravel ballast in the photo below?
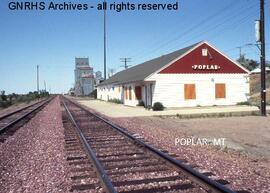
point(242, 172)
point(33, 159)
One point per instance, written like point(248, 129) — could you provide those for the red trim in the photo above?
point(213, 58)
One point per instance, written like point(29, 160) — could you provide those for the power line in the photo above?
point(196, 26)
point(192, 28)
point(225, 20)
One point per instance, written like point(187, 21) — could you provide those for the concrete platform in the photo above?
point(119, 110)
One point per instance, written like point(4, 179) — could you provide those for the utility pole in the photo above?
point(240, 51)
point(125, 61)
point(105, 46)
point(45, 85)
point(38, 79)
point(262, 40)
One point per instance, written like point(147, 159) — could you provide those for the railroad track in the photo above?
point(9, 123)
point(105, 158)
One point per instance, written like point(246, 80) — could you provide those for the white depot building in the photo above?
point(84, 78)
point(198, 75)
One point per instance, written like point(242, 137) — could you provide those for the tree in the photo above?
point(248, 63)
point(14, 95)
point(3, 95)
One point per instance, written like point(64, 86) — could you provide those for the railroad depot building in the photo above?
point(198, 75)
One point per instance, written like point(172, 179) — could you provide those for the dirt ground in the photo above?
point(249, 135)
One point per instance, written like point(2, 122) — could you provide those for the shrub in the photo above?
point(5, 104)
point(158, 106)
point(244, 103)
point(117, 101)
point(3, 95)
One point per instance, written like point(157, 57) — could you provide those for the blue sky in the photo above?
point(52, 39)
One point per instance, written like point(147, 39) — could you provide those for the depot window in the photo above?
point(204, 52)
point(190, 91)
point(220, 91)
point(126, 93)
point(130, 93)
point(138, 92)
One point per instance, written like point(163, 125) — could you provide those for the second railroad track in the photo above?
point(10, 122)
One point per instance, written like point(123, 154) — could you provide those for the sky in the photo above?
point(52, 39)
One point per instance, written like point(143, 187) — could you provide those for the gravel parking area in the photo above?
point(33, 159)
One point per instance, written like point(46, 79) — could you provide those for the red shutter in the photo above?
point(190, 91)
point(220, 91)
point(138, 92)
point(126, 93)
point(130, 93)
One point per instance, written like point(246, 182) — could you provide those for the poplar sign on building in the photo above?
point(197, 75)
point(84, 78)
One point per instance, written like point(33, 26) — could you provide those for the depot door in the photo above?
point(148, 92)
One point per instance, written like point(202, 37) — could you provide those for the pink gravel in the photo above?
point(242, 172)
point(33, 159)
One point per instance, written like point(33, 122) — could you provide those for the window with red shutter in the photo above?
point(138, 92)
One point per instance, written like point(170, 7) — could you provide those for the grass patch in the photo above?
point(248, 103)
point(11, 99)
point(217, 115)
point(117, 101)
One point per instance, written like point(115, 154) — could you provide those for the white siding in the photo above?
point(109, 92)
point(133, 101)
point(169, 89)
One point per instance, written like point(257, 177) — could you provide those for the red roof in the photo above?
point(87, 76)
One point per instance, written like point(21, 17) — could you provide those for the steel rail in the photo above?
point(3, 129)
point(19, 110)
point(105, 180)
point(197, 176)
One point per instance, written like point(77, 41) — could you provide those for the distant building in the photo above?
point(258, 70)
point(84, 78)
